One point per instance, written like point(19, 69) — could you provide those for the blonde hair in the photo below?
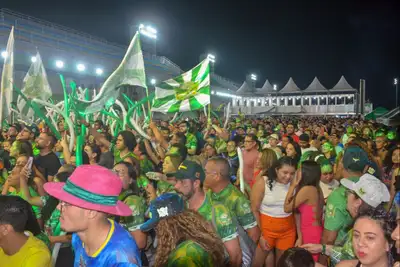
point(268, 158)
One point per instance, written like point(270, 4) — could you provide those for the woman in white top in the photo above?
point(267, 201)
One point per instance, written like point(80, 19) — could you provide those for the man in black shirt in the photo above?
point(47, 162)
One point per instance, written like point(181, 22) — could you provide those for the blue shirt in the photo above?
point(119, 250)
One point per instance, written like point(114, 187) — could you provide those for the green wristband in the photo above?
point(323, 249)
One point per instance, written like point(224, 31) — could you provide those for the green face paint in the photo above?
point(327, 147)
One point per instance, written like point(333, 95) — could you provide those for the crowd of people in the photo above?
point(276, 191)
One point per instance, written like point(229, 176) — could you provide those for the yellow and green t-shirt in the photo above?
point(189, 253)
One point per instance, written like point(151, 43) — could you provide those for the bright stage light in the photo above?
point(211, 57)
point(4, 54)
point(33, 59)
point(148, 31)
point(99, 71)
point(153, 81)
point(59, 64)
point(80, 67)
point(253, 77)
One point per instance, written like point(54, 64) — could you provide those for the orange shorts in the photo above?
point(280, 233)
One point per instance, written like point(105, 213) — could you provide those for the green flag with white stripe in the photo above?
point(129, 72)
point(187, 92)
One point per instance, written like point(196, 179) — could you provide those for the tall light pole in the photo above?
point(395, 83)
point(149, 32)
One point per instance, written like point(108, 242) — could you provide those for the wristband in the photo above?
point(323, 249)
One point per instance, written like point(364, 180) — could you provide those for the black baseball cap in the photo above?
point(32, 128)
point(189, 170)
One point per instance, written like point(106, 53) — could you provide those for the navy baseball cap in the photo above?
point(164, 206)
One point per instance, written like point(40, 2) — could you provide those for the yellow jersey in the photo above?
point(34, 253)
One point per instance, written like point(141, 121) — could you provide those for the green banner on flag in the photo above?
point(187, 92)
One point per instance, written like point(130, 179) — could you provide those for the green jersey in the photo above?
point(222, 221)
point(33, 193)
point(138, 207)
point(343, 252)
point(35, 149)
point(52, 226)
point(337, 218)
point(118, 158)
point(189, 253)
point(237, 204)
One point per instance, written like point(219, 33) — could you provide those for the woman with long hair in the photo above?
point(184, 238)
point(267, 203)
point(93, 152)
point(367, 195)
point(293, 151)
point(371, 240)
point(309, 202)
point(266, 158)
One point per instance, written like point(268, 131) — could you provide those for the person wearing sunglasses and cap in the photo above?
point(87, 199)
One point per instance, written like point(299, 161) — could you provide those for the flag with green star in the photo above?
point(187, 92)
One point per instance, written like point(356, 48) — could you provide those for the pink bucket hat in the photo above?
point(91, 187)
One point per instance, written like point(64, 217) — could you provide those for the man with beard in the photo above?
point(87, 199)
point(189, 182)
point(123, 148)
point(290, 132)
point(191, 140)
point(47, 161)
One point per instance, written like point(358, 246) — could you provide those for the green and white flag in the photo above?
point(35, 84)
point(7, 79)
point(187, 92)
point(129, 72)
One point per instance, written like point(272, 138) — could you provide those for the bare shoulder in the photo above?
point(348, 263)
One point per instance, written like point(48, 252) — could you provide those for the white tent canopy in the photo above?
point(290, 87)
point(342, 85)
point(244, 89)
point(315, 86)
point(267, 88)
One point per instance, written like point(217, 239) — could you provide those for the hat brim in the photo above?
point(348, 184)
point(56, 190)
point(150, 224)
point(177, 175)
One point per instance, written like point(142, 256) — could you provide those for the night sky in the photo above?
point(274, 39)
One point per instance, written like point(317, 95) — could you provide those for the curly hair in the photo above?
point(188, 225)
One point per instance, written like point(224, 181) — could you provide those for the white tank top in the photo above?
point(273, 201)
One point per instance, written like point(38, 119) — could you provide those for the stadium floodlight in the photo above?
point(80, 67)
point(99, 71)
point(148, 31)
point(395, 80)
point(4, 54)
point(33, 59)
point(275, 87)
point(153, 81)
point(211, 57)
point(59, 64)
point(253, 77)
